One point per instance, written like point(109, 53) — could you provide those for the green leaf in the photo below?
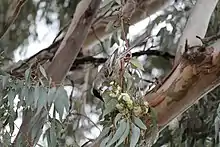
point(119, 132)
point(125, 135)
point(30, 98)
point(110, 106)
point(27, 74)
point(61, 101)
point(51, 95)
point(104, 141)
point(11, 96)
point(53, 137)
point(104, 132)
point(117, 118)
point(36, 95)
point(22, 95)
point(65, 98)
point(59, 107)
point(5, 81)
point(42, 70)
point(42, 101)
point(135, 135)
point(137, 64)
point(139, 123)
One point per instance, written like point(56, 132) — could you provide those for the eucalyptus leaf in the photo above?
point(139, 123)
point(27, 74)
point(104, 132)
point(125, 135)
point(53, 137)
point(11, 97)
point(43, 72)
point(117, 118)
point(42, 101)
point(104, 141)
point(5, 81)
point(36, 95)
point(135, 135)
point(110, 106)
point(118, 134)
point(51, 95)
point(30, 98)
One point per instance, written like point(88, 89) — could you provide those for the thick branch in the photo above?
point(73, 40)
point(190, 81)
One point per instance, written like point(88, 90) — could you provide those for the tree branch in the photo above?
point(12, 14)
point(196, 26)
point(73, 40)
point(187, 84)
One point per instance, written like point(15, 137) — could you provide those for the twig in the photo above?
point(93, 30)
point(79, 114)
point(207, 40)
point(12, 18)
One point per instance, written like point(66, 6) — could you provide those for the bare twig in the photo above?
point(12, 16)
point(98, 38)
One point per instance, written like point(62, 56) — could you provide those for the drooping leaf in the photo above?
point(4, 81)
point(51, 95)
point(42, 100)
point(36, 95)
point(125, 134)
point(27, 74)
point(119, 132)
point(43, 72)
point(110, 106)
point(139, 123)
point(11, 96)
point(30, 98)
point(53, 137)
point(104, 132)
point(61, 101)
point(117, 118)
point(135, 135)
point(104, 141)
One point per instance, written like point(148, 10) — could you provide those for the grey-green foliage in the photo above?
point(31, 96)
point(34, 100)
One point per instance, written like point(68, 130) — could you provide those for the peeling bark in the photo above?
point(192, 79)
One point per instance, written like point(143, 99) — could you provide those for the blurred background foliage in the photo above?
point(199, 126)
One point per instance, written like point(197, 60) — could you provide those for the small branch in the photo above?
point(12, 16)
